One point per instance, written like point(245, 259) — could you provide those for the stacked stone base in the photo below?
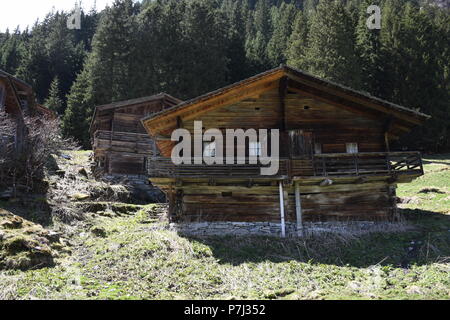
point(274, 229)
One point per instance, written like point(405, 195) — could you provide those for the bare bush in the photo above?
point(22, 164)
point(44, 139)
point(7, 134)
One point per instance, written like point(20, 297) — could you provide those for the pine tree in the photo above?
point(11, 51)
point(237, 13)
point(259, 34)
point(331, 52)
point(113, 53)
point(54, 101)
point(80, 103)
point(390, 34)
point(419, 77)
point(298, 42)
point(283, 19)
point(368, 45)
point(204, 44)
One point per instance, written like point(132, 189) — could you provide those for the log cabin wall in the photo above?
point(17, 100)
point(120, 143)
point(330, 126)
point(371, 202)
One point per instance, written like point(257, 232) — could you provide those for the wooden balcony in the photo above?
point(370, 163)
point(123, 142)
point(321, 165)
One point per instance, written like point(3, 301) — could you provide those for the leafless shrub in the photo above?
point(44, 139)
point(24, 156)
point(7, 134)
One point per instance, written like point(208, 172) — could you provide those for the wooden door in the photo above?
point(301, 144)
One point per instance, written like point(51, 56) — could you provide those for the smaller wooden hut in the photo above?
point(16, 100)
point(120, 143)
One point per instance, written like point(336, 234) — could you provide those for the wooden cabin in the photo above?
point(17, 100)
point(120, 143)
point(335, 165)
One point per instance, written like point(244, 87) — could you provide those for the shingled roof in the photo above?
point(5, 74)
point(132, 102)
point(288, 71)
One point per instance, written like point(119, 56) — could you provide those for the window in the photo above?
point(317, 148)
point(352, 147)
point(254, 149)
point(209, 149)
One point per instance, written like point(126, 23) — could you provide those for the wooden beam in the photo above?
point(282, 90)
point(387, 127)
point(386, 141)
point(160, 137)
point(298, 210)
point(283, 227)
point(179, 122)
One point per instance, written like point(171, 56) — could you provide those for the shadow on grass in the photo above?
point(35, 209)
point(437, 159)
point(428, 241)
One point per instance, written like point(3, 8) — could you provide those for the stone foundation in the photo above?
point(274, 229)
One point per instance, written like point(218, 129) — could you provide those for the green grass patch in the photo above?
point(135, 256)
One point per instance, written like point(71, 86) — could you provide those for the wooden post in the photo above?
point(386, 141)
point(283, 227)
point(298, 210)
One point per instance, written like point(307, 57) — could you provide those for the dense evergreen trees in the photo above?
point(190, 47)
point(54, 101)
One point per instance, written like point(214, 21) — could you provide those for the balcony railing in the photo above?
point(124, 141)
point(336, 164)
point(367, 163)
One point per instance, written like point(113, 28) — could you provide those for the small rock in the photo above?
point(414, 290)
point(80, 196)
point(99, 232)
point(54, 236)
point(83, 235)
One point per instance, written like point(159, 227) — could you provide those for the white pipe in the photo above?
point(283, 227)
point(298, 210)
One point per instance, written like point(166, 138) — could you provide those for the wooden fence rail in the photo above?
point(337, 164)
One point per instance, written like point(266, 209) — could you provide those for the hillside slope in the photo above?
point(123, 251)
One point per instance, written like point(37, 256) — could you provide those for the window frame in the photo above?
point(212, 151)
point(252, 149)
point(318, 149)
point(352, 147)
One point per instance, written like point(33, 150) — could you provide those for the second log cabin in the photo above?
point(335, 162)
point(120, 143)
